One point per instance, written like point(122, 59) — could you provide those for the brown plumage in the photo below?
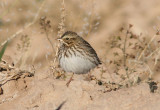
point(76, 55)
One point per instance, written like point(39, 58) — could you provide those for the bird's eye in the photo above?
point(67, 38)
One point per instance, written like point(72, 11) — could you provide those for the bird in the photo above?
point(75, 54)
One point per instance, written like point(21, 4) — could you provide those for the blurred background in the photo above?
point(124, 33)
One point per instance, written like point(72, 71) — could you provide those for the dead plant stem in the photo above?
point(146, 47)
point(50, 41)
point(124, 50)
point(90, 20)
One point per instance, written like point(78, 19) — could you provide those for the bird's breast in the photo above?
point(76, 64)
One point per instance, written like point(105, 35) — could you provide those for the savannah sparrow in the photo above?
point(75, 54)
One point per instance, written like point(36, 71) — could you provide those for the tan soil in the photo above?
point(44, 91)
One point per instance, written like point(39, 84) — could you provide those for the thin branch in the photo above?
point(156, 59)
point(146, 47)
point(61, 28)
point(90, 20)
point(124, 50)
point(157, 50)
point(50, 42)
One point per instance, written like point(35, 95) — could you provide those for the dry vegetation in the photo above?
point(124, 33)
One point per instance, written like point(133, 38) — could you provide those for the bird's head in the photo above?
point(69, 38)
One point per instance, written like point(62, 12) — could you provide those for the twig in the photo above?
point(61, 24)
point(15, 76)
point(90, 20)
point(50, 42)
point(61, 28)
point(156, 59)
point(146, 47)
point(46, 26)
point(26, 26)
point(157, 50)
point(150, 71)
point(124, 50)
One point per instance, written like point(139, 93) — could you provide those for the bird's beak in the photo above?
point(59, 39)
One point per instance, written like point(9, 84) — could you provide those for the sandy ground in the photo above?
point(44, 91)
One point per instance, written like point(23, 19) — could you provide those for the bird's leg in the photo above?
point(69, 81)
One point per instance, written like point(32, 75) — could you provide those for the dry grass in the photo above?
point(32, 32)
